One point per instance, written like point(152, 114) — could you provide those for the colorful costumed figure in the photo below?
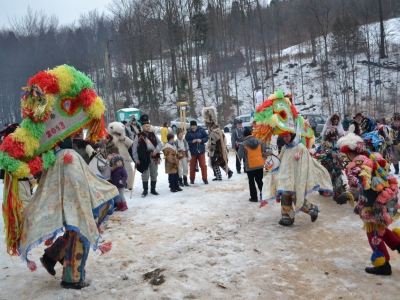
point(375, 195)
point(380, 140)
point(328, 155)
point(70, 198)
point(298, 174)
point(217, 148)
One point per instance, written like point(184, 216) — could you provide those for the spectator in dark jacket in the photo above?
point(196, 138)
point(118, 178)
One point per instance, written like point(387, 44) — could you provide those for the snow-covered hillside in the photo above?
point(385, 85)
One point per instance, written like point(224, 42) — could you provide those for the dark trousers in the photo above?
point(255, 176)
point(238, 164)
point(173, 180)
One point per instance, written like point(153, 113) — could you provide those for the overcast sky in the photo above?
point(66, 10)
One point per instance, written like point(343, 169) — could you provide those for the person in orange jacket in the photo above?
point(251, 152)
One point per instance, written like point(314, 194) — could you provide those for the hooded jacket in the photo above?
point(251, 152)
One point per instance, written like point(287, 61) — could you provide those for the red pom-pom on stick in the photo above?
point(265, 202)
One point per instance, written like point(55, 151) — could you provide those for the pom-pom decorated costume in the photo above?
point(55, 105)
point(328, 154)
point(298, 174)
point(375, 194)
point(380, 140)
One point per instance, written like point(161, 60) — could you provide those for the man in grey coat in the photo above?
point(236, 140)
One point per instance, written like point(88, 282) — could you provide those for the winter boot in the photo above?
point(230, 173)
point(191, 181)
point(178, 189)
point(118, 206)
point(205, 181)
point(185, 181)
point(48, 264)
point(123, 206)
point(396, 168)
point(385, 269)
point(286, 222)
point(173, 190)
point(180, 182)
point(145, 188)
point(153, 188)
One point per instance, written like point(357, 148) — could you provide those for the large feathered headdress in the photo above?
point(210, 116)
point(278, 116)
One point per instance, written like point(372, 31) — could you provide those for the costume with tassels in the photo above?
point(375, 194)
point(55, 105)
point(217, 148)
point(327, 153)
point(298, 174)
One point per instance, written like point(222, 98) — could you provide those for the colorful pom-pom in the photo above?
point(48, 159)
point(46, 81)
point(106, 247)
point(265, 202)
point(87, 97)
point(35, 165)
point(378, 259)
point(31, 265)
point(68, 158)
point(396, 231)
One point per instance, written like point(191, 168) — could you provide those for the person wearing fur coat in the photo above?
point(171, 163)
point(184, 156)
point(146, 153)
point(217, 148)
point(123, 143)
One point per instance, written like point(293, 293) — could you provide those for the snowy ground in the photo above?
point(209, 235)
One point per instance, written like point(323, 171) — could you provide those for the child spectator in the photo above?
point(171, 163)
point(184, 156)
point(118, 178)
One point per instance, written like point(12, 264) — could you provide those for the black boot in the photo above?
point(396, 168)
point(145, 188)
point(286, 222)
point(48, 264)
point(180, 182)
point(153, 188)
point(385, 269)
point(230, 173)
point(178, 189)
point(185, 181)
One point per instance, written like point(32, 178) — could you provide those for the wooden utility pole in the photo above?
point(109, 80)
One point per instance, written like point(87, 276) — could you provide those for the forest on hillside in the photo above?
point(145, 53)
